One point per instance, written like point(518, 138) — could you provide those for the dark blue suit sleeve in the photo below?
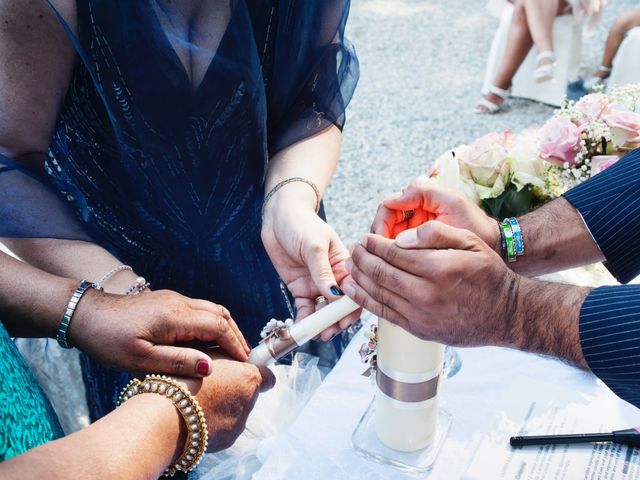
point(610, 316)
point(610, 338)
point(610, 206)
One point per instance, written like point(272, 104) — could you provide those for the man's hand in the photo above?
point(432, 202)
point(448, 286)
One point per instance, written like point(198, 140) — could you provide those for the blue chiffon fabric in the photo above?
point(168, 175)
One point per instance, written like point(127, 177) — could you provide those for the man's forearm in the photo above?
point(546, 319)
point(555, 238)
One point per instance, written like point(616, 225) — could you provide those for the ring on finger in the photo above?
point(407, 214)
point(320, 299)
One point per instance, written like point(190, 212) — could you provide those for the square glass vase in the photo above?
point(366, 443)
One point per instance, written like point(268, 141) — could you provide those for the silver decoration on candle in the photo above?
point(277, 337)
point(369, 351)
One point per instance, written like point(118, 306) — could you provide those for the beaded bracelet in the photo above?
point(139, 286)
point(188, 406)
point(111, 273)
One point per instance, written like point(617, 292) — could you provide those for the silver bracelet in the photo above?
point(287, 182)
point(110, 273)
point(63, 328)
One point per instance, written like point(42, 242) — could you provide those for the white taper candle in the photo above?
point(304, 330)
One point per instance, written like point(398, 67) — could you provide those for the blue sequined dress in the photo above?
point(168, 175)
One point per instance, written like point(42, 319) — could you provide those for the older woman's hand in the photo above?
point(143, 333)
point(227, 397)
point(308, 255)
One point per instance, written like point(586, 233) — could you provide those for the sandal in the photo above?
point(595, 81)
point(544, 73)
point(485, 105)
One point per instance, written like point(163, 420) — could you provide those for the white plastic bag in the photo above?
point(274, 412)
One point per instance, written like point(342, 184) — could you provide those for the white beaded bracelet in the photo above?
point(188, 406)
point(139, 286)
point(110, 273)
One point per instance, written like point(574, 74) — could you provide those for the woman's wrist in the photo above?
point(181, 397)
point(295, 196)
point(169, 422)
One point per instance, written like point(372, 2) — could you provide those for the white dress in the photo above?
point(581, 9)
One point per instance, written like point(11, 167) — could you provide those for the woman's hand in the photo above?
point(142, 333)
point(432, 202)
point(307, 254)
point(227, 397)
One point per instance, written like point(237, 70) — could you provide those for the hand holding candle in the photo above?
point(291, 337)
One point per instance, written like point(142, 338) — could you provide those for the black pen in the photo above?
point(630, 436)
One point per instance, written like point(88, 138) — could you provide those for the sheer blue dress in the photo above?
point(169, 175)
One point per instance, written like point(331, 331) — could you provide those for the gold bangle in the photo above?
point(188, 406)
point(272, 192)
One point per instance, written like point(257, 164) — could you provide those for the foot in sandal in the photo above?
point(546, 65)
point(492, 100)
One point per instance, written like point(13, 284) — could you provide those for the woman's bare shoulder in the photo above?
point(36, 63)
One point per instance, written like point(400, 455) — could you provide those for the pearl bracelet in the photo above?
point(111, 273)
point(189, 408)
point(139, 286)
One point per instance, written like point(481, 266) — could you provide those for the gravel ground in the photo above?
point(422, 64)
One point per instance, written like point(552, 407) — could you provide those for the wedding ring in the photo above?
point(407, 214)
point(320, 299)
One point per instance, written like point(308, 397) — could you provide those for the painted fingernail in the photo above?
point(202, 367)
point(335, 290)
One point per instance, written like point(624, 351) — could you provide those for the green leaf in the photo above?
point(511, 203)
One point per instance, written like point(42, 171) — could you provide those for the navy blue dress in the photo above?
point(169, 176)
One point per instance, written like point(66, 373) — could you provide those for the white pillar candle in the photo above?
point(404, 419)
point(301, 332)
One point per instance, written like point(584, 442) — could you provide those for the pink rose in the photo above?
point(624, 125)
point(602, 162)
point(594, 105)
point(483, 161)
point(560, 141)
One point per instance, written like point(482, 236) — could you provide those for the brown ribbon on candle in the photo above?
point(404, 391)
point(280, 343)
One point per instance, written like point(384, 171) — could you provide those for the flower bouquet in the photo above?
point(508, 174)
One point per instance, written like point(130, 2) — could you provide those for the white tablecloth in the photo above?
point(491, 383)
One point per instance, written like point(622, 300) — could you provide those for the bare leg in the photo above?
point(519, 42)
point(621, 26)
point(540, 17)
